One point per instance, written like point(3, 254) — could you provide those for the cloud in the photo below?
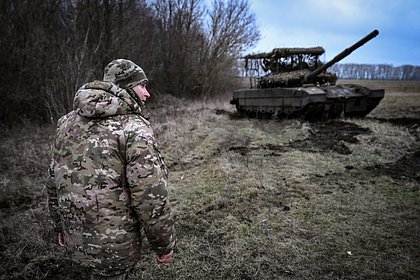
point(337, 24)
point(339, 11)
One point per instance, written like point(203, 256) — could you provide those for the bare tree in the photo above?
point(376, 71)
point(232, 29)
point(199, 60)
point(181, 38)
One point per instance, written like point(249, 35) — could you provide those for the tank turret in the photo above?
point(297, 66)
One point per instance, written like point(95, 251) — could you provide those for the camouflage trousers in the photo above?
point(123, 276)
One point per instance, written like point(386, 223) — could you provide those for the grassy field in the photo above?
point(254, 199)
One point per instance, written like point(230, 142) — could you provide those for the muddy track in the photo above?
point(407, 122)
point(412, 124)
point(331, 135)
point(323, 136)
point(407, 167)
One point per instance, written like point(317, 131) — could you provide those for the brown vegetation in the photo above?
point(255, 199)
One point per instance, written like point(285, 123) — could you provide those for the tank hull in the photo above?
point(309, 102)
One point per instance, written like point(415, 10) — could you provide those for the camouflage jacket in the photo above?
point(107, 181)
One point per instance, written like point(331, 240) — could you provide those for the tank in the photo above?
point(293, 82)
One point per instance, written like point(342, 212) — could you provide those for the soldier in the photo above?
point(107, 179)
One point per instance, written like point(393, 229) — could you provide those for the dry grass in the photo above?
point(255, 199)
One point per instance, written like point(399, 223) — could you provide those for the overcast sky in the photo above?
point(337, 24)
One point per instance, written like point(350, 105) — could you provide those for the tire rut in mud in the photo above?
point(323, 136)
point(412, 124)
point(331, 135)
point(407, 167)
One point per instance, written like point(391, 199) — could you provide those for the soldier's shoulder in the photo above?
point(64, 119)
point(138, 127)
point(137, 122)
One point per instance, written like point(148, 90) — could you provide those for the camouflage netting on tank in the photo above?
point(295, 78)
point(284, 79)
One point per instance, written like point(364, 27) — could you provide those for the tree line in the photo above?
point(52, 47)
point(376, 71)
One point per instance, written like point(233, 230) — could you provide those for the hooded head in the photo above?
point(125, 73)
point(103, 99)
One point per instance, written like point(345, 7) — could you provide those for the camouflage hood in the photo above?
point(103, 99)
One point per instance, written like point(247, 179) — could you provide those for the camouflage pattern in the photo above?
point(125, 73)
point(108, 181)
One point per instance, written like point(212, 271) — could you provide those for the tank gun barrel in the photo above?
point(341, 55)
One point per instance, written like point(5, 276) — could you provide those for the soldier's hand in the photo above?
point(60, 238)
point(165, 259)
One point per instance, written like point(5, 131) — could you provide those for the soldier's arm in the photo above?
point(50, 183)
point(52, 196)
point(146, 178)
